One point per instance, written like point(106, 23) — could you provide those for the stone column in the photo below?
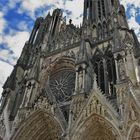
point(6, 121)
point(32, 36)
point(116, 67)
point(84, 76)
point(24, 98)
point(76, 81)
point(122, 69)
point(131, 68)
point(105, 77)
point(138, 70)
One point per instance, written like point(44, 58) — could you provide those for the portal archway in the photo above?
point(39, 126)
point(135, 133)
point(96, 128)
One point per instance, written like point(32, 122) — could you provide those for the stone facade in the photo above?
point(75, 83)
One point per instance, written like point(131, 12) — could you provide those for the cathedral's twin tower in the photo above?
point(75, 83)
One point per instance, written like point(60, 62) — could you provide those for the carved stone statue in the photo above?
point(80, 80)
point(70, 21)
point(121, 69)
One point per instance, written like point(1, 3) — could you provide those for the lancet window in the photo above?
point(112, 2)
point(105, 29)
point(104, 67)
point(99, 31)
point(101, 9)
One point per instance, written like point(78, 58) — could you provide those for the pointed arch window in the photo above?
point(87, 11)
point(94, 32)
point(104, 67)
point(105, 29)
point(91, 9)
point(135, 134)
point(109, 27)
point(139, 62)
point(99, 9)
point(99, 70)
point(99, 31)
point(103, 8)
point(112, 2)
point(138, 71)
point(111, 77)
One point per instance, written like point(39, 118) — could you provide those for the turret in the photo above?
point(97, 10)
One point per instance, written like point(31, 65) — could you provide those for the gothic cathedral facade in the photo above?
point(75, 83)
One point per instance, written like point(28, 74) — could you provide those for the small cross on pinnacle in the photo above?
point(70, 21)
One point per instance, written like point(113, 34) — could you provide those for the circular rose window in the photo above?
point(62, 85)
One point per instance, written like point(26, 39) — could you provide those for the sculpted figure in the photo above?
point(80, 80)
point(121, 68)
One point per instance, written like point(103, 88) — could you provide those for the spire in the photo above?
point(48, 16)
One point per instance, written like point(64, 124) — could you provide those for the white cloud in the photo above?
point(23, 25)
point(134, 25)
point(74, 6)
point(6, 56)
point(136, 3)
point(133, 13)
point(2, 22)
point(16, 41)
point(32, 5)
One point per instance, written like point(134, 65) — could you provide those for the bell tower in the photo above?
point(95, 10)
point(100, 17)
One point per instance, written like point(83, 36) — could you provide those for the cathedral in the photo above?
point(75, 83)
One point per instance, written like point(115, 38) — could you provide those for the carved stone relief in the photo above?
point(96, 128)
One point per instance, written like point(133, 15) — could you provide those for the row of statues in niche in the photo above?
point(70, 54)
point(100, 31)
point(56, 45)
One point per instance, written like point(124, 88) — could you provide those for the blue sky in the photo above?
point(17, 18)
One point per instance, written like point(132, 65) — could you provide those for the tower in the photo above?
point(75, 83)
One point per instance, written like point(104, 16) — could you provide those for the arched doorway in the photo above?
point(39, 126)
point(96, 128)
point(135, 133)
